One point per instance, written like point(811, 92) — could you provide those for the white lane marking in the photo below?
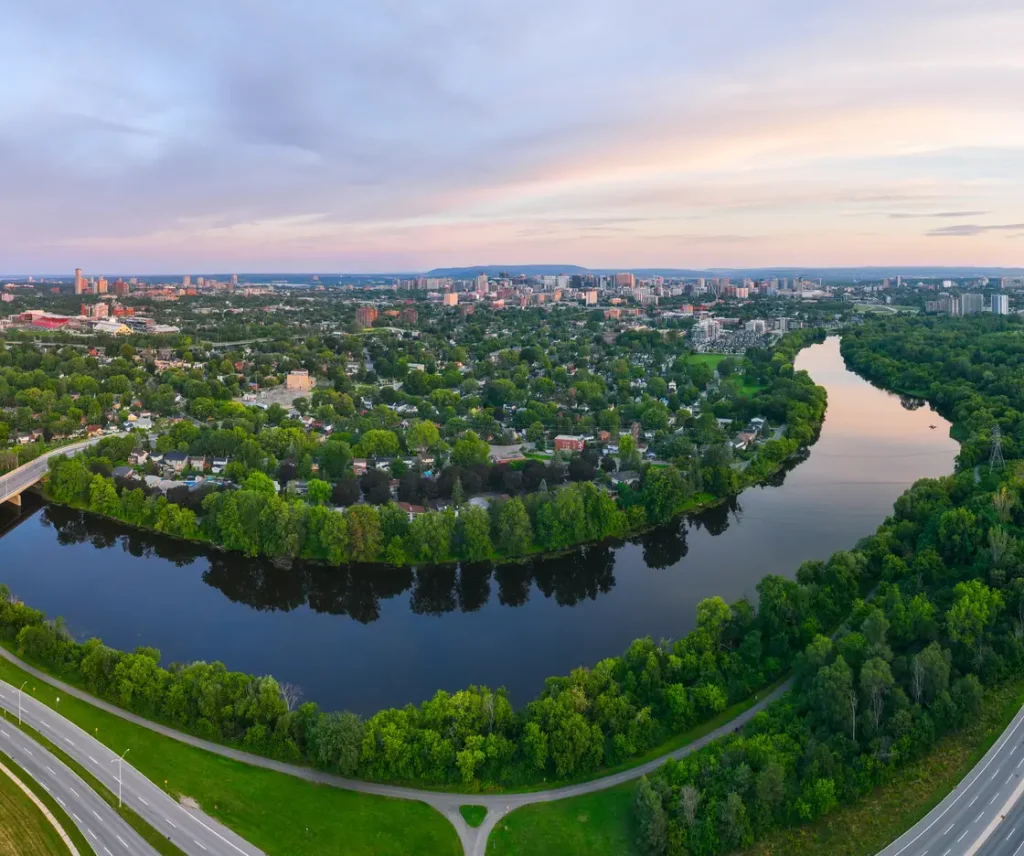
point(45, 786)
point(1015, 852)
point(171, 822)
point(200, 845)
point(993, 799)
point(1014, 749)
point(949, 828)
point(73, 791)
point(995, 749)
point(5, 734)
point(972, 802)
point(76, 817)
point(60, 801)
point(981, 814)
point(119, 838)
point(947, 852)
point(230, 844)
point(91, 833)
point(68, 742)
point(141, 800)
point(50, 770)
point(961, 838)
point(93, 760)
point(1021, 761)
point(26, 751)
point(100, 819)
point(105, 850)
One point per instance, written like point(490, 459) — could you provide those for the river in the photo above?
point(371, 637)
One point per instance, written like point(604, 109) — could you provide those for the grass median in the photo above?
point(278, 813)
point(24, 830)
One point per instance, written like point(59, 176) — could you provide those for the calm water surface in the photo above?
point(371, 637)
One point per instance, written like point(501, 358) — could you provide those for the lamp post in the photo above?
point(119, 760)
point(19, 701)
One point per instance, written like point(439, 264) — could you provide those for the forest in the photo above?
point(911, 661)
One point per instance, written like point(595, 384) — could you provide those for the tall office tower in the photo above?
point(101, 285)
point(79, 282)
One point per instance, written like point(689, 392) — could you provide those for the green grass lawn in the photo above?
point(749, 389)
point(711, 360)
point(599, 824)
point(24, 831)
point(276, 812)
point(474, 814)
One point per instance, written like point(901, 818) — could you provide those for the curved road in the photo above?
point(19, 480)
point(107, 833)
point(983, 815)
point(192, 831)
point(474, 841)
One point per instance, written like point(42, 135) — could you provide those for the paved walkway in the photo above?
point(474, 841)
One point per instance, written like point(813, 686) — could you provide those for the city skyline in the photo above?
point(371, 138)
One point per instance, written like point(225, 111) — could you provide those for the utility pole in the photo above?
point(119, 760)
point(995, 459)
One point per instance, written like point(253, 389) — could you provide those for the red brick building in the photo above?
point(569, 443)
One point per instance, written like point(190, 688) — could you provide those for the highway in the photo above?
point(102, 827)
point(190, 829)
point(984, 815)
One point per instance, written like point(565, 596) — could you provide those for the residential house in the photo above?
point(412, 510)
point(176, 460)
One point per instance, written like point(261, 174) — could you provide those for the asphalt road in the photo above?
point(22, 478)
point(474, 841)
point(191, 830)
point(102, 827)
point(1010, 838)
point(984, 814)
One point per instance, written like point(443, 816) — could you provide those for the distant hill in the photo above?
point(832, 274)
point(494, 270)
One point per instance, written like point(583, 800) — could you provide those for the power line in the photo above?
point(995, 459)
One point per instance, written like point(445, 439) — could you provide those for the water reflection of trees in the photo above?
point(356, 590)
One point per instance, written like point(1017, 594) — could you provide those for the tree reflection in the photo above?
point(514, 584)
point(474, 587)
point(359, 590)
point(434, 590)
point(716, 519)
point(577, 576)
point(665, 545)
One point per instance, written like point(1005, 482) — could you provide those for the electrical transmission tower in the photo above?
point(995, 459)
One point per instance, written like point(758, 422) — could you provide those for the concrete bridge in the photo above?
point(16, 482)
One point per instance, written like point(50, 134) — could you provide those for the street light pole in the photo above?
point(19, 701)
point(119, 760)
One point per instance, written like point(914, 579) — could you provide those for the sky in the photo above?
point(394, 135)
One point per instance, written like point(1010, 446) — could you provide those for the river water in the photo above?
point(370, 637)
